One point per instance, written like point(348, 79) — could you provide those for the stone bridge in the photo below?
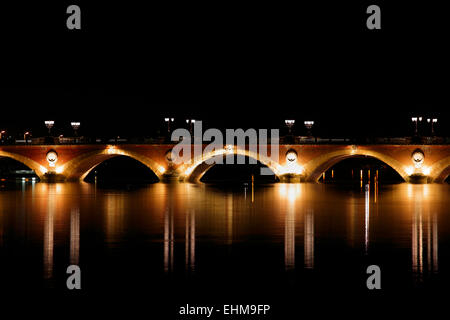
point(421, 163)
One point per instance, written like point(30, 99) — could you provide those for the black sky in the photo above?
point(228, 64)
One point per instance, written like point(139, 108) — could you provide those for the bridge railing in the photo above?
point(373, 140)
point(283, 140)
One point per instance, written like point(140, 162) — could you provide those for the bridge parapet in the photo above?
point(300, 140)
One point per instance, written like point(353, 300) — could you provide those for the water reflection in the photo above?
point(367, 218)
point(352, 209)
point(229, 212)
point(225, 224)
point(74, 236)
point(291, 192)
point(424, 233)
point(1, 228)
point(114, 220)
point(48, 232)
point(309, 238)
point(435, 242)
point(190, 240)
point(168, 238)
point(417, 237)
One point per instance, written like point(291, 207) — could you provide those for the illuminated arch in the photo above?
point(316, 167)
point(33, 165)
point(194, 172)
point(440, 170)
point(79, 167)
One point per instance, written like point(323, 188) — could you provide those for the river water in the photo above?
point(199, 241)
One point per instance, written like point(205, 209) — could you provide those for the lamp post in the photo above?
point(309, 125)
point(190, 122)
point(75, 125)
point(25, 136)
point(289, 124)
point(416, 120)
point(49, 124)
point(169, 120)
point(432, 121)
point(1, 134)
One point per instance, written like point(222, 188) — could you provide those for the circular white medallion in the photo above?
point(52, 157)
point(291, 156)
point(418, 157)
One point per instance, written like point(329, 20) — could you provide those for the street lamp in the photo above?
point(75, 125)
point(289, 124)
point(49, 124)
point(309, 125)
point(25, 135)
point(190, 122)
point(416, 119)
point(432, 121)
point(1, 134)
point(169, 120)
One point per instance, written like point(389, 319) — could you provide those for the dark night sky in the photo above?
point(228, 64)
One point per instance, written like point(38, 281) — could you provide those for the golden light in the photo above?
point(161, 169)
point(43, 169)
point(409, 170)
point(290, 191)
point(410, 191)
point(426, 171)
point(426, 190)
point(292, 168)
point(189, 170)
point(111, 150)
point(228, 148)
point(59, 169)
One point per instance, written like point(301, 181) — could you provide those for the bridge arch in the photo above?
point(440, 170)
point(194, 171)
point(79, 167)
point(33, 165)
point(316, 167)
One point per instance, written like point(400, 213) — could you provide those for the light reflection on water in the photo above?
point(186, 220)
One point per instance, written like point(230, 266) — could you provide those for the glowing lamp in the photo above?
point(409, 170)
point(426, 171)
point(309, 124)
point(228, 148)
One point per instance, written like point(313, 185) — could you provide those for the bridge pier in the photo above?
point(170, 176)
point(419, 179)
point(292, 178)
point(52, 177)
